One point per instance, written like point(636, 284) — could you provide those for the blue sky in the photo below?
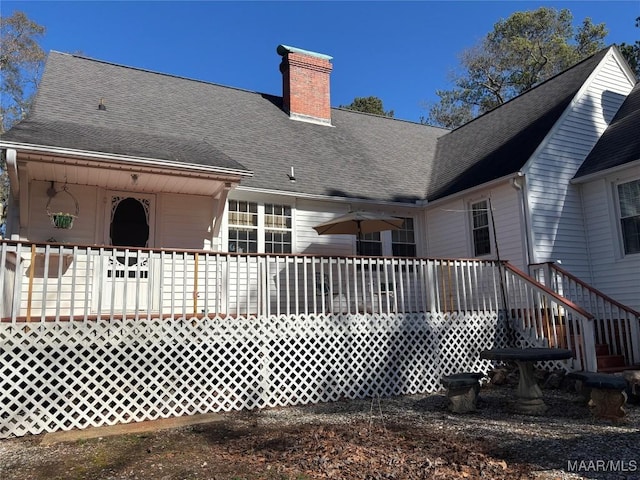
point(398, 51)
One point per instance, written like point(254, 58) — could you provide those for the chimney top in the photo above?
point(284, 49)
point(305, 84)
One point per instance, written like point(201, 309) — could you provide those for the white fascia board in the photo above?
point(472, 190)
point(125, 160)
point(329, 198)
point(624, 65)
point(604, 173)
point(12, 171)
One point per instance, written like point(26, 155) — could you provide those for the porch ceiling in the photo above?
point(125, 177)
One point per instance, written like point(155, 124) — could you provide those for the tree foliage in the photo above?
point(632, 53)
point(21, 62)
point(368, 105)
point(520, 52)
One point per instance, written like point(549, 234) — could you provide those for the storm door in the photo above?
point(128, 275)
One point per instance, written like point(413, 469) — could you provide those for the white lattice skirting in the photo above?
point(67, 375)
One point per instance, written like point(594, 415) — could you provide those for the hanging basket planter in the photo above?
point(62, 218)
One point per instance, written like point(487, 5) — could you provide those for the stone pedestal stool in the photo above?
point(462, 391)
point(607, 395)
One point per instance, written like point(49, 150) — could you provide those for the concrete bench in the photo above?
point(462, 391)
point(606, 393)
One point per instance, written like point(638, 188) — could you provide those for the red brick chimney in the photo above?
point(305, 85)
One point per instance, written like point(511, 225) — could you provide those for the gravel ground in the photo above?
point(566, 434)
point(409, 437)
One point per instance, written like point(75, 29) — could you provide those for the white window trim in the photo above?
point(386, 239)
point(415, 237)
point(262, 229)
point(616, 217)
point(469, 222)
point(261, 224)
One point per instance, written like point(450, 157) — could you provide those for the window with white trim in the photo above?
point(397, 243)
point(403, 240)
point(629, 201)
point(243, 227)
point(277, 228)
point(369, 245)
point(480, 232)
point(254, 227)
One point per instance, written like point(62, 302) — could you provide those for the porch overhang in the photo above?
point(118, 172)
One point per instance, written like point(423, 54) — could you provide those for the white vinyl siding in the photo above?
point(40, 228)
point(446, 227)
point(613, 272)
point(450, 235)
point(555, 205)
point(183, 221)
point(309, 213)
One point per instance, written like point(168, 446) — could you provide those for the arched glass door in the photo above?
point(129, 222)
point(127, 276)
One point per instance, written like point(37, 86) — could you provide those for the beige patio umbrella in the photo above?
point(357, 223)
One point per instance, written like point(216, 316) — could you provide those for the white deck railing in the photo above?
point(615, 324)
point(53, 282)
point(551, 319)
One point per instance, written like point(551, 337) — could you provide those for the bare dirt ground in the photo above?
point(411, 437)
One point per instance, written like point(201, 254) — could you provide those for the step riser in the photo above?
point(609, 361)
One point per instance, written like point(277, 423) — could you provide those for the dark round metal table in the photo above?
point(528, 394)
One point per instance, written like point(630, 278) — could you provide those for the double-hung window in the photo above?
point(480, 232)
point(399, 243)
point(629, 199)
point(277, 228)
point(369, 244)
point(243, 227)
point(255, 227)
point(403, 241)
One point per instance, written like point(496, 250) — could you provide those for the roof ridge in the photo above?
point(377, 115)
point(538, 85)
point(155, 72)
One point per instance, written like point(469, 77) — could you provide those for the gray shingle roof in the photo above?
point(126, 142)
point(500, 142)
point(160, 116)
point(620, 143)
point(166, 117)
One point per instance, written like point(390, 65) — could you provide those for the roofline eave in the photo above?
point(125, 159)
point(604, 173)
point(329, 198)
point(472, 190)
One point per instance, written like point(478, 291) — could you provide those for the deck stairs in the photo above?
point(616, 326)
point(611, 363)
